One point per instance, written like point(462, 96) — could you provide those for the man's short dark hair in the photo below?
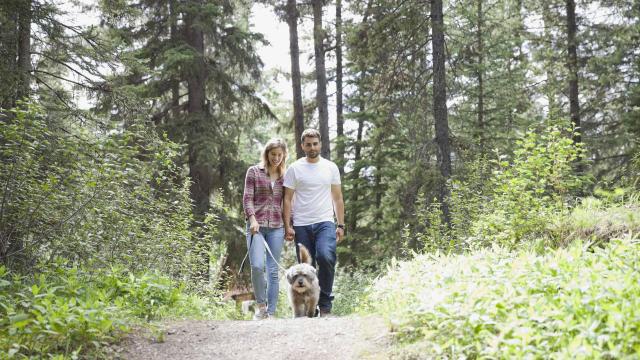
point(313, 133)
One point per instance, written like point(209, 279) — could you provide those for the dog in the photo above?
point(304, 288)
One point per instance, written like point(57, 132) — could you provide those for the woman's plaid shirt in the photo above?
point(261, 200)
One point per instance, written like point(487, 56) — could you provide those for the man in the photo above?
point(315, 183)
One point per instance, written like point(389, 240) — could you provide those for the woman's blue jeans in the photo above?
point(265, 283)
point(320, 240)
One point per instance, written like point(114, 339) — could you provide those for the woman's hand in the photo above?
point(254, 226)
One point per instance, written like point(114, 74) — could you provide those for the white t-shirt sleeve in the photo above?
point(290, 178)
point(335, 174)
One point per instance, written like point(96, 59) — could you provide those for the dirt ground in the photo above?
point(273, 339)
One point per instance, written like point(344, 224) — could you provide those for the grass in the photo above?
point(596, 221)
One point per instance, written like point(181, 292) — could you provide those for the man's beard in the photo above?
point(313, 154)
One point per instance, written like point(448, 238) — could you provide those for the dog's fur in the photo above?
point(304, 288)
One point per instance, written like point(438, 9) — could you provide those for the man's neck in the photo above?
point(313, 160)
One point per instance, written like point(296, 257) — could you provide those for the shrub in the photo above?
point(493, 304)
point(536, 186)
point(56, 314)
point(350, 289)
point(574, 302)
point(66, 311)
point(115, 198)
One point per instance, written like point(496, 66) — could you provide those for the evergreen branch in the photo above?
point(60, 62)
point(96, 88)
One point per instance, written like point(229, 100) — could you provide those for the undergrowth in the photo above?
point(66, 312)
point(580, 301)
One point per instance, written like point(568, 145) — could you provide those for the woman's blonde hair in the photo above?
point(273, 144)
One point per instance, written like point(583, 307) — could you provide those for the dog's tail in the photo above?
point(305, 257)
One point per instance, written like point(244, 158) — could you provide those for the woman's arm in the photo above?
point(247, 200)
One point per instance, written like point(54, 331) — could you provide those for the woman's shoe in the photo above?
point(261, 312)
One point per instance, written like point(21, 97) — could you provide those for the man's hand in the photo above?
point(339, 235)
point(290, 234)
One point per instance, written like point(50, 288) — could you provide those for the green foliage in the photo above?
point(349, 290)
point(495, 304)
point(527, 192)
point(117, 199)
point(430, 233)
point(69, 311)
point(597, 220)
point(506, 202)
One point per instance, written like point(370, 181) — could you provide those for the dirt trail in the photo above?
point(318, 338)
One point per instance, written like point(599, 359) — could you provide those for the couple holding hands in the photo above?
point(273, 216)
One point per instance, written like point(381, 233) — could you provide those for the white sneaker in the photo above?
point(261, 313)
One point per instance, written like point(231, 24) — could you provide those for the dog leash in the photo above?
point(268, 250)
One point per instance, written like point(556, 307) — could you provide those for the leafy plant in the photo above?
point(495, 304)
point(117, 198)
point(70, 311)
point(528, 191)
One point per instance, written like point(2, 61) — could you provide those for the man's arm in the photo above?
point(338, 205)
point(286, 214)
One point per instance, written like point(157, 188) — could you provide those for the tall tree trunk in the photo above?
point(200, 174)
point(340, 144)
point(355, 174)
point(175, 88)
point(294, 52)
point(550, 86)
point(321, 78)
point(440, 105)
point(480, 76)
point(572, 65)
point(24, 49)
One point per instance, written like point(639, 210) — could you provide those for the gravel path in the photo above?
point(303, 338)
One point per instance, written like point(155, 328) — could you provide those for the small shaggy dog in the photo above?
point(304, 289)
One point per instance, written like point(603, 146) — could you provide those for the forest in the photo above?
point(488, 149)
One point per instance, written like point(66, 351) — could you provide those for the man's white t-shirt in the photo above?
point(312, 201)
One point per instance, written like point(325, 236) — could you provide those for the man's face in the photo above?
point(311, 147)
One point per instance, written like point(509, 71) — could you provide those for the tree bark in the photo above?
point(340, 144)
point(321, 78)
point(24, 50)
point(352, 224)
point(440, 106)
point(294, 52)
point(175, 87)
point(550, 86)
point(200, 174)
point(572, 65)
point(480, 76)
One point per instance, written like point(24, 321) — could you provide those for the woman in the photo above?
point(262, 203)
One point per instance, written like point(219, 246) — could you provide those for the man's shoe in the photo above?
point(326, 313)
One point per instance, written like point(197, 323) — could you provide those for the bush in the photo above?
point(115, 198)
point(539, 184)
point(495, 304)
point(66, 311)
point(350, 289)
point(57, 314)
point(508, 203)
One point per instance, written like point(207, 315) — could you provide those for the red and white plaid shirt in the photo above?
point(261, 199)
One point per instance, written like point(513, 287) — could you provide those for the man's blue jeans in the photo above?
point(265, 285)
point(320, 239)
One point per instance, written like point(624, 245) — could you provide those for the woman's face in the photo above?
point(275, 156)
